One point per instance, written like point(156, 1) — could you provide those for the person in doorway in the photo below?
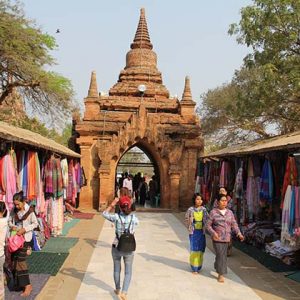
point(124, 221)
point(128, 183)
point(220, 223)
point(121, 180)
point(3, 232)
point(22, 221)
point(136, 183)
point(153, 189)
point(143, 191)
point(195, 219)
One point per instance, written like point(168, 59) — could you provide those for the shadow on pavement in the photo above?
point(89, 280)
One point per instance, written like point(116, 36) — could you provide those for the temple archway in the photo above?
point(140, 112)
point(138, 162)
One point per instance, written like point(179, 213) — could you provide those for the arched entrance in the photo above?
point(140, 112)
point(139, 164)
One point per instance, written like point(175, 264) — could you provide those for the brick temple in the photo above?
point(138, 111)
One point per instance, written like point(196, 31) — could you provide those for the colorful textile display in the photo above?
point(23, 170)
point(290, 216)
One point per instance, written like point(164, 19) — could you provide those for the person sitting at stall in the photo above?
point(22, 221)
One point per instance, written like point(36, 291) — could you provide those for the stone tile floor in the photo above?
point(161, 268)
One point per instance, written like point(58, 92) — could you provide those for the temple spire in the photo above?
point(142, 38)
point(93, 90)
point(187, 94)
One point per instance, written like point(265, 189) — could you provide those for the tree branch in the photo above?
point(10, 87)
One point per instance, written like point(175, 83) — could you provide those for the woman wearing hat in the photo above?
point(124, 221)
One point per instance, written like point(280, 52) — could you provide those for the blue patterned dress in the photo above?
point(196, 218)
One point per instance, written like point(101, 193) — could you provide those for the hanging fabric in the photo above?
point(290, 176)
point(267, 185)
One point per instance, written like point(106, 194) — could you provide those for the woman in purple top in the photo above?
point(220, 223)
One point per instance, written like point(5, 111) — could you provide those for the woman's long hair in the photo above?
point(195, 197)
point(3, 208)
point(18, 197)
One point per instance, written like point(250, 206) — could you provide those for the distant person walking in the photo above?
point(220, 223)
point(195, 219)
point(143, 191)
point(153, 190)
point(127, 182)
point(123, 246)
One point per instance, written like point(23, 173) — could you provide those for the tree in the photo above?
point(265, 93)
point(25, 62)
point(272, 29)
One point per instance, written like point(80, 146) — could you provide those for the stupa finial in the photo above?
point(93, 90)
point(187, 94)
point(142, 38)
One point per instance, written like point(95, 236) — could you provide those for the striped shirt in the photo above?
point(222, 225)
point(120, 227)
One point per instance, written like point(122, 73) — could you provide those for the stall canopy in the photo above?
point(20, 135)
point(288, 141)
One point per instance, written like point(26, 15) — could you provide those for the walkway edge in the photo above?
point(66, 284)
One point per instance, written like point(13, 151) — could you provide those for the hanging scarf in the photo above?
point(70, 181)
point(286, 215)
point(31, 179)
point(290, 176)
point(11, 183)
point(266, 187)
point(48, 177)
point(64, 169)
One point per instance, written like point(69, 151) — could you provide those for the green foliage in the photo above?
point(265, 92)
point(35, 125)
point(24, 64)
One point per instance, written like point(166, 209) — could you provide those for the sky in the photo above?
point(189, 37)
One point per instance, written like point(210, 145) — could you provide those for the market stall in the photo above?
point(48, 173)
point(263, 178)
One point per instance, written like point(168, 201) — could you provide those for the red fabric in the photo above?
point(290, 177)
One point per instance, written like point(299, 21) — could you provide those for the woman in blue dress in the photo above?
point(196, 217)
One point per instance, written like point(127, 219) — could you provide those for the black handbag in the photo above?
point(126, 240)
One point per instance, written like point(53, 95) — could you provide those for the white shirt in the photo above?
point(3, 232)
point(223, 211)
point(128, 184)
point(29, 224)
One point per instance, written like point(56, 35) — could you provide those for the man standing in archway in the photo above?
point(128, 183)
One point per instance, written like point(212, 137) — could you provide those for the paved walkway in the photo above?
point(160, 267)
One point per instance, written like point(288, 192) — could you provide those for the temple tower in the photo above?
point(139, 112)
